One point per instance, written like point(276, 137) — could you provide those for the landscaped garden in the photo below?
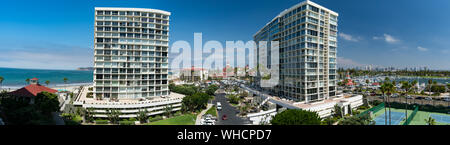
point(212, 111)
point(186, 119)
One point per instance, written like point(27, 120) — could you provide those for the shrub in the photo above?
point(178, 113)
point(357, 120)
point(126, 122)
point(156, 118)
point(101, 121)
point(132, 119)
point(90, 95)
point(296, 117)
point(427, 108)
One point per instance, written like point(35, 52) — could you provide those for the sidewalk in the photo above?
point(199, 116)
point(58, 120)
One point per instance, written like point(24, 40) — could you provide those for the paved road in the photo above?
point(228, 110)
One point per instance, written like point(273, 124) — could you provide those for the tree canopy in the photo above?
point(195, 102)
point(296, 117)
point(211, 89)
point(357, 120)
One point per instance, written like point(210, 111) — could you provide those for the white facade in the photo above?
point(262, 117)
point(307, 34)
point(325, 108)
point(131, 53)
point(130, 108)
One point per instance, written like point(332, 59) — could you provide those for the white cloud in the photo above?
point(388, 38)
point(446, 51)
point(348, 37)
point(422, 48)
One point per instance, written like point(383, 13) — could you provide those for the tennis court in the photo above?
point(396, 118)
point(441, 118)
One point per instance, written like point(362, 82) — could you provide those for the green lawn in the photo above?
point(186, 119)
point(212, 111)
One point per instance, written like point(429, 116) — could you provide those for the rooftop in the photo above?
point(32, 90)
point(133, 9)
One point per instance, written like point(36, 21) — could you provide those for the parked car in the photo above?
point(428, 98)
point(446, 99)
point(395, 96)
point(409, 97)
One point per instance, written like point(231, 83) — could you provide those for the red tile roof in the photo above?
point(32, 90)
point(34, 79)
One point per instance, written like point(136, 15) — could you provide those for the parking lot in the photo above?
point(422, 100)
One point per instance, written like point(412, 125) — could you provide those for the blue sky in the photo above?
point(54, 34)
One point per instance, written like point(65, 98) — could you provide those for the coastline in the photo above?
point(425, 77)
point(68, 86)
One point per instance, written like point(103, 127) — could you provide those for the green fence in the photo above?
point(373, 109)
point(411, 117)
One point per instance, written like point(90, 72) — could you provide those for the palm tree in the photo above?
point(65, 80)
point(429, 86)
point(47, 82)
point(388, 88)
point(27, 80)
point(430, 121)
point(383, 89)
point(113, 115)
point(168, 110)
point(1, 81)
point(89, 115)
point(413, 84)
point(406, 86)
point(367, 85)
point(142, 116)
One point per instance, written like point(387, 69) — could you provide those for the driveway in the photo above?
point(230, 111)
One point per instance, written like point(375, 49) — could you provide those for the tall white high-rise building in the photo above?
point(131, 53)
point(307, 34)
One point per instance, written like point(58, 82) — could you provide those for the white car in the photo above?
point(219, 106)
point(446, 99)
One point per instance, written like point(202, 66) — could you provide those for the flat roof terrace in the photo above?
point(83, 100)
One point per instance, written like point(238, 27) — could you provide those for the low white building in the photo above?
point(262, 117)
point(130, 108)
point(325, 108)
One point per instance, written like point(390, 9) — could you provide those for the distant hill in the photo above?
point(86, 68)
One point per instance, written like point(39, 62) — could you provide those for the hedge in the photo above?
point(427, 108)
point(156, 118)
point(126, 122)
point(101, 121)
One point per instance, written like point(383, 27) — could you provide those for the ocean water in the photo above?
point(423, 80)
point(14, 78)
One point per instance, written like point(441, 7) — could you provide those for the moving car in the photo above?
point(224, 117)
point(219, 106)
